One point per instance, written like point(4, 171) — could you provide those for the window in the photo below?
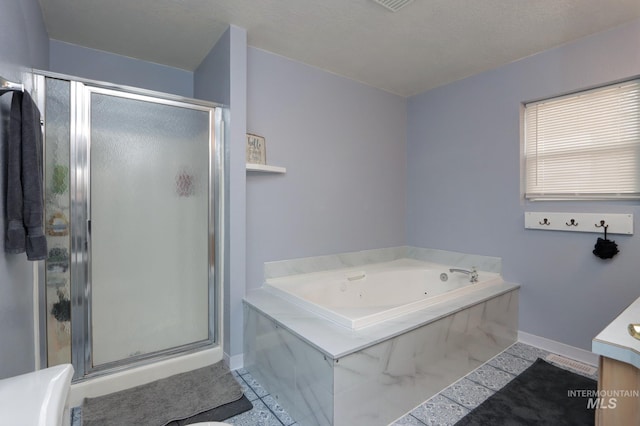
point(585, 145)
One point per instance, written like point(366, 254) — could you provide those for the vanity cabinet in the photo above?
point(617, 376)
point(619, 373)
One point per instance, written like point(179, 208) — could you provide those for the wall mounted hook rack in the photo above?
point(615, 223)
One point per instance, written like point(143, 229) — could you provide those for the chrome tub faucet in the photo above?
point(473, 273)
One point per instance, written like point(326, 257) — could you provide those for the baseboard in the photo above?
point(235, 361)
point(568, 351)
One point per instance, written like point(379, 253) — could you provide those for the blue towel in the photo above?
point(24, 180)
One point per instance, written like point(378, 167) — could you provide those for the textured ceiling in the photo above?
point(427, 44)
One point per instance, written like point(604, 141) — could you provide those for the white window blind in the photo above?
point(584, 145)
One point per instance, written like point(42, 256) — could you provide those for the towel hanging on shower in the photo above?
point(24, 196)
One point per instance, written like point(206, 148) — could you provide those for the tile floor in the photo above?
point(445, 408)
point(454, 402)
point(266, 411)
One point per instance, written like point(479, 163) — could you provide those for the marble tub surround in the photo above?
point(615, 341)
point(375, 385)
point(324, 374)
point(296, 374)
point(327, 374)
point(307, 265)
point(455, 259)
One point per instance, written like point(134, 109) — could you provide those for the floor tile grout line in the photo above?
point(506, 371)
point(251, 387)
point(513, 376)
point(452, 400)
point(240, 374)
point(419, 421)
point(521, 357)
point(248, 386)
point(499, 365)
point(265, 404)
point(477, 383)
point(487, 387)
point(488, 362)
point(472, 381)
point(273, 412)
point(429, 399)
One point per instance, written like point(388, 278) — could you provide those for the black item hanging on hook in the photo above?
point(605, 249)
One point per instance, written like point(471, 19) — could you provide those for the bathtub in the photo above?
point(339, 345)
point(363, 296)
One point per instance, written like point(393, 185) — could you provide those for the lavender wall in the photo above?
point(342, 143)
point(463, 171)
point(212, 78)
point(235, 272)
point(222, 78)
point(25, 45)
point(78, 61)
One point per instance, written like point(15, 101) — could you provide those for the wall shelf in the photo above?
point(579, 222)
point(263, 168)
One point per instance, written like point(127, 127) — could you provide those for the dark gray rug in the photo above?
point(158, 403)
point(537, 397)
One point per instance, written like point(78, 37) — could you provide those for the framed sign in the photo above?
point(256, 149)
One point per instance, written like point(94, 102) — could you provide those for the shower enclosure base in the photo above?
point(136, 376)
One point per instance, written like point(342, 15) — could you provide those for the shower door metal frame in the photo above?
point(80, 233)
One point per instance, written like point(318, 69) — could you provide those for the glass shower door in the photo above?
point(148, 225)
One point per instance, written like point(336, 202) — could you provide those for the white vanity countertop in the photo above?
point(615, 341)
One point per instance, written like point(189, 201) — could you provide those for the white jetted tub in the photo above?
point(362, 296)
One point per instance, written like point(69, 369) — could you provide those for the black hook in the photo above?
point(545, 221)
point(572, 223)
point(604, 248)
point(602, 225)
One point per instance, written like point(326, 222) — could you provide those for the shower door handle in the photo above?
point(86, 241)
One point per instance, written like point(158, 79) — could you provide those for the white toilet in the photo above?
point(37, 398)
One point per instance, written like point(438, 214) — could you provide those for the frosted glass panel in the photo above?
point(149, 226)
point(56, 206)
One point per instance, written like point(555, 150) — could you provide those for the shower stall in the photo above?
point(133, 193)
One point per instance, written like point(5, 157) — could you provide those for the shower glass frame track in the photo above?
point(80, 228)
